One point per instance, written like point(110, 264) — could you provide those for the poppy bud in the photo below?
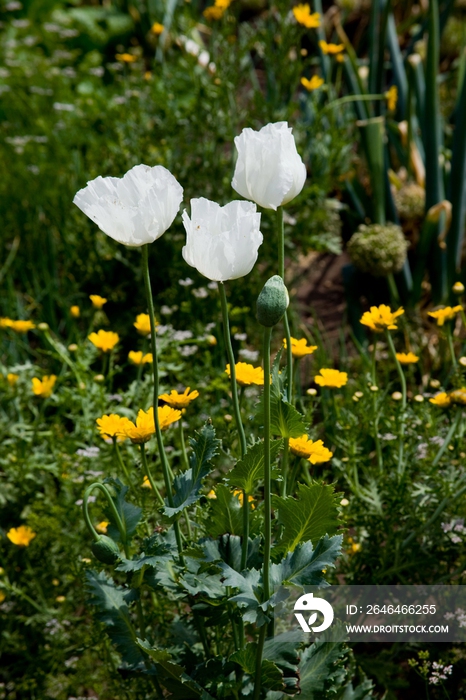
point(105, 550)
point(272, 302)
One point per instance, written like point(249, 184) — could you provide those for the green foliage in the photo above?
point(309, 517)
point(321, 669)
point(248, 472)
point(129, 513)
point(225, 513)
point(111, 603)
point(187, 485)
point(173, 676)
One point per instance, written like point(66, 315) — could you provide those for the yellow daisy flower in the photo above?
point(104, 340)
point(300, 348)
point(5, 322)
point(12, 378)
point(314, 452)
point(75, 311)
point(331, 48)
point(176, 400)
point(21, 536)
point(392, 98)
point(112, 426)
point(442, 400)
point(157, 28)
point(102, 527)
point(240, 496)
point(126, 57)
point(146, 483)
point(20, 326)
point(142, 324)
point(302, 14)
point(97, 301)
point(313, 84)
point(381, 317)
point(331, 378)
point(246, 374)
point(445, 314)
point(144, 428)
point(407, 358)
point(44, 387)
point(213, 12)
point(139, 358)
point(458, 396)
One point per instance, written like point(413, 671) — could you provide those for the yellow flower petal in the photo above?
point(331, 378)
point(246, 374)
point(21, 536)
point(176, 400)
point(104, 340)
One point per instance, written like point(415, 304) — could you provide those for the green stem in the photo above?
point(450, 345)
point(120, 525)
point(450, 434)
point(183, 445)
point(353, 98)
point(267, 507)
point(286, 452)
point(155, 371)
point(281, 272)
point(260, 649)
point(121, 462)
point(237, 412)
point(378, 447)
point(147, 471)
point(231, 360)
point(403, 402)
point(393, 289)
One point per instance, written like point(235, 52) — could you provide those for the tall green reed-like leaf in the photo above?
point(457, 194)
point(398, 68)
point(324, 60)
point(432, 133)
point(434, 181)
point(374, 44)
point(374, 131)
point(417, 83)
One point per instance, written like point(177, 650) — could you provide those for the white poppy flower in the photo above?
point(135, 209)
point(222, 242)
point(269, 169)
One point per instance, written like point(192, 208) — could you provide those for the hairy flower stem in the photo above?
point(289, 355)
point(374, 407)
point(403, 403)
point(281, 272)
point(119, 523)
point(183, 445)
point(450, 435)
point(267, 507)
point(121, 462)
point(237, 412)
point(147, 472)
point(155, 371)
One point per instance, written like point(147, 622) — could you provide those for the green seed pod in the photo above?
point(272, 302)
point(105, 550)
point(378, 249)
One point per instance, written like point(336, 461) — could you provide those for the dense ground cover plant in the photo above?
point(93, 91)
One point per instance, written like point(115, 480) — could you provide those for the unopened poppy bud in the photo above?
point(105, 550)
point(99, 378)
point(458, 288)
point(272, 302)
point(43, 326)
